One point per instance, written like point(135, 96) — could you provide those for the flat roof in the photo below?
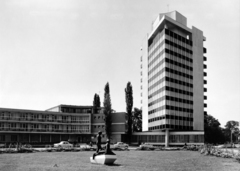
point(72, 106)
point(40, 111)
point(169, 19)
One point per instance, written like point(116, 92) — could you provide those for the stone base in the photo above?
point(103, 159)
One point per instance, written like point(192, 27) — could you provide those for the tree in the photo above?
point(213, 131)
point(129, 106)
point(96, 102)
point(107, 110)
point(137, 120)
point(232, 130)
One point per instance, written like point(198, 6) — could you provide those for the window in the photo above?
point(14, 138)
point(64, 118)
point(2, 138)
point(35, 116)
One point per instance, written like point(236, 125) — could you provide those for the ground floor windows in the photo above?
point(186, 138)
point(172, 138)
point(148, 138)
point(43, 138)
point(39, 127)
point(2, 138)
point(170, 126)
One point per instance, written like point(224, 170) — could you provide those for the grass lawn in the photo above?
point(126, 160)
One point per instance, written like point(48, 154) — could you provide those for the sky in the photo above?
point(64, 51)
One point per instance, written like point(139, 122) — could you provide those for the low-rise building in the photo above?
point(60, 123)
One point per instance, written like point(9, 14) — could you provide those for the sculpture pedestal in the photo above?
point(103, 159)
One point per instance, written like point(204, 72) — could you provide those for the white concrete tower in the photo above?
point(172, 76)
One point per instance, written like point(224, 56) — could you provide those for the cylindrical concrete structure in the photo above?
point(166, 138)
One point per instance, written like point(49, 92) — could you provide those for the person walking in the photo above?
point(98, 143)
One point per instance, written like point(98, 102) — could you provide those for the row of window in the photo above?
point(180, 78)
point(177, 68)
point(98, 117)
point(169, 98)
point(155, 58)
point(175, 108)
point(178, 64)
point(178, 58)
point(184, 83)
point(98, 126)
point(49, 120)
point(73, 110)
point(42, 127)
point(157, 100)
point(179, 91)
point(160, 49)
point(159, 38)
point(172, 71)
point(43, 117)
point(178, 86)
point(172, 94)
point(186, 138)
point(170, 103)
point(28, 125)
point(175, 99)
point(172, 138)
point(178, 37)
point(173, 117)
point(148, 138)
point(167, 88)
point(172, 80)
point(171, 53)
point(179, 47)
point(44, 130)
point(165, 126)
point(179, 72)
point(175, 37)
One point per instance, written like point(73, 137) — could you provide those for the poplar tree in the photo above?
point(129, 106)
point(107, 111)
point(96, 103)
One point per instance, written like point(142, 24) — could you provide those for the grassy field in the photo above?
point(126, 160)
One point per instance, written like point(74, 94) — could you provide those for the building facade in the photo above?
point(172, 79)
point(60, 123)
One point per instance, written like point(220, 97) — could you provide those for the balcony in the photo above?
point(35, 130)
